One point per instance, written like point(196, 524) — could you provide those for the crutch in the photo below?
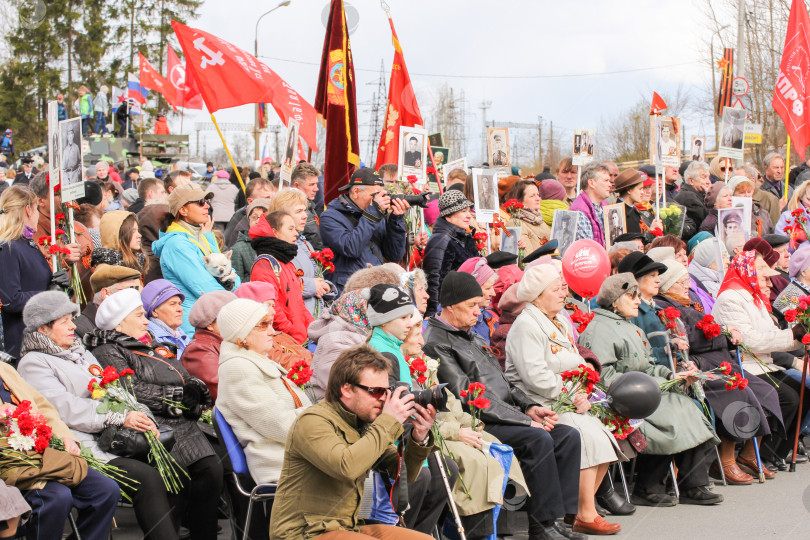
point(449, 490)
point(756, 442)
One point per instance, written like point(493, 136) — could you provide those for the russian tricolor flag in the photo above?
point(135, 90)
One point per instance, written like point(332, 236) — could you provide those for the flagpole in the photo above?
point(436, 174)
point(787, 167)
point(235, 168)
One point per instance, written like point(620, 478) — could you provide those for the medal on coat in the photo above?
point(95, 370)
point(164, 352)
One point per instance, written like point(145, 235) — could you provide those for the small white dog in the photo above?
point(219, 266)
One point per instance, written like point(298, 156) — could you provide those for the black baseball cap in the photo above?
point(364, 176)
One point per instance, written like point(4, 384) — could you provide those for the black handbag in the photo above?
point(130, 443)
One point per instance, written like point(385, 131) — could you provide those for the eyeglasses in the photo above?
point(263, 325)
point(200, 203)
point(374, 391)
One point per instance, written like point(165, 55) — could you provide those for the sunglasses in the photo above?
point(264, 325)
point(374, 391)
point(200, 203)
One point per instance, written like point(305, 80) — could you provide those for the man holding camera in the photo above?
point(333, 445)
point(548, 453)
point(363, 226)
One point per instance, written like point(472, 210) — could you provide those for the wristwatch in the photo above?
point(423, 442)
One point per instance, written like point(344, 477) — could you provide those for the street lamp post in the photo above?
point(256, 132)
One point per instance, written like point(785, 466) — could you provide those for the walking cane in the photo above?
point(756, 442)
point(453, 507)
point(799, 414)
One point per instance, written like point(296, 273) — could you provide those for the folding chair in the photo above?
point(236, 454)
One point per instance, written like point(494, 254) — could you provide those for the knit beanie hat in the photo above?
point(697, 239)
point(205, 310)
point(675, 272)
point(478, 268)
point(615, 286)
point(260, 291)
point(46, 307)
point(386, 303)
point(239, 317)
point(116, 307)
point(704, 253)
point(453, 201)
point(551, 189)
point(158, 291)
point(735, 181)
point(661, 253)
point(536, 280)
point(458, 287)
point(130, 195)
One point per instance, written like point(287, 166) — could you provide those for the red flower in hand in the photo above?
point(725, 368)
point(657, 232)
point(806, 339)
point(790, 315)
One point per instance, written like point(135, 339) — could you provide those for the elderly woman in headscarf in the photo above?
point(743, 303)
point(539, 348)
point(717, 198)
point(705, 269)
point(677, 429)
point(485, 276)
point(709, 353)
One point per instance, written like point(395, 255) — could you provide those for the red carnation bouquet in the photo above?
point(618, 424)
point(797, 230)
point(724, 372)
point(476, 401)
point(711, 330)
point(582, 319)
point(800, 314)
point(418, 368)
point(323, 261)
point(116, 392)
point(300, 373)
point(513, 208)
point(575, 381)
point(669, 316)
point(481, 242)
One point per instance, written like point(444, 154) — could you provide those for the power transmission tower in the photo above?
point(376, 109)
point(448, 118)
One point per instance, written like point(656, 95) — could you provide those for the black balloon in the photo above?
point(634, 395)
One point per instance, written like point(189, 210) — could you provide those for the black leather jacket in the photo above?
point(464, 360)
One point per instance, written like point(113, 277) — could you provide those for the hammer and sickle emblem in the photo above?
point(212, 59)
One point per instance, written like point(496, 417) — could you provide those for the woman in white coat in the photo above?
point(743, 303)
point(539, 348)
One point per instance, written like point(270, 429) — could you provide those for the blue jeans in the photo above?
point(101, 123)
point(796, 375)
point(96, 499)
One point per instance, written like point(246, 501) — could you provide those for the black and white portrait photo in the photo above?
point(485, 192)
point(698, 152)
point(498, 146)
point(732, 133)
point(564, 229)
point(288, 160)
point(413, 159)
point(70, 157)
point(615, 224)
point(583, 146)
point(730, 221)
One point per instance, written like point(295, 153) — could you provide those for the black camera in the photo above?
point(430, 396)
point(416, 200)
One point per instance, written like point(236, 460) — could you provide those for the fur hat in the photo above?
point(386, 303)
point(451, 202)
point(236, 320)
point(366, 278)
point(116, 307)
point(615, 286)
point(46, 307)
point(205, 310)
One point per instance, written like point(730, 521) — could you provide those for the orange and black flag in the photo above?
point(726, 66)
point(336, 103)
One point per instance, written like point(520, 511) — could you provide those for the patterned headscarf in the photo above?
point(351, 307)
point(742, 274)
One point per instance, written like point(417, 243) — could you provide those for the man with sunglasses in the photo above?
point(334, 444)
point(105, 281)
point(183, 245)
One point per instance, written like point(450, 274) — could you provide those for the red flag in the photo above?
point(153, 80)
point(791, 99)
point(658, 104)
point(336, 103)
point(188, 95)
point(227, 76)
point(402, 108)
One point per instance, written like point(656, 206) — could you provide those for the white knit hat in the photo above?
point(116, 307)
point(675, 272)
point(239, 317)
point(535, 281)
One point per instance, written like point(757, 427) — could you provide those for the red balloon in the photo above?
point(585, 267)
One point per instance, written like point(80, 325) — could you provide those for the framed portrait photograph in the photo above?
point(732, 133)
point(498, 147)
point(53, 138)
point(436, 139)
point(730, 221)
point(440, 154)
point(746, 203)
point(698, 148)
point(665, 141)
point(510, 243)
point(288, 159)
point(485, 193)
point(584, 140)
point(70, 158)
point(413, 154)
point(615, 223)
point(564, 228)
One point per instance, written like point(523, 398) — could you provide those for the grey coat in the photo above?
point(333, 336)
point(678, 424)
point(64, 383)
point(303, 261)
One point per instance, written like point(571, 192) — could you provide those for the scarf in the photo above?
point(742, 274)
point(679, 298)
point(283, 251)
point(28, 232)
point(194, 235)
point(37, 342)
point(530, 217)
point(584, 204)
point(351, 307)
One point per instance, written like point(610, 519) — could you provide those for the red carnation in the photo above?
point(725, 368)
point(126, 372)
point(806, 339)
point(480, 403)
point(463, 393)
point(476, 388)
point(657, 232)
point(41, 444)
point(790, 315)
point(742, 384)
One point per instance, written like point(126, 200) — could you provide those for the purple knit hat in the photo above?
point(158, 291)
point(478, 268)
point(551, 189)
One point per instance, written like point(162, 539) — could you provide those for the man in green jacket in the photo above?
point(333, 445)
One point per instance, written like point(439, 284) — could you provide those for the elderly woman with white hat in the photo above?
point(160, 382)
point(677, 429)
point(539, 348)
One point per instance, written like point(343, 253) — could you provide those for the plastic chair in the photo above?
point(311, 347)
point(236, 454)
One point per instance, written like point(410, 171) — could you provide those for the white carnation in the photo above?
point(21, 443)
point(432, 364)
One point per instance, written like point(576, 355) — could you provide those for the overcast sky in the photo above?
point(522, 55)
